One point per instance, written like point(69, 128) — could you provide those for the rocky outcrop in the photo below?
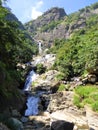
point(58, 24)
point(46, 59)
point(46, 81)
point(53, 14)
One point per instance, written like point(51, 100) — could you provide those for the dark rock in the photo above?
point(14, 124)
point(3, 127)
point(61, 125)
point(92, 78)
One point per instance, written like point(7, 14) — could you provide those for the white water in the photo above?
point(32, 105)
point(32, 101)
point(40, 47)
point(30, 78)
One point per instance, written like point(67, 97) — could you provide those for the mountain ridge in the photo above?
point(63, 27)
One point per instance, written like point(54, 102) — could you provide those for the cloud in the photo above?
point(35, 10)
point(35, 13)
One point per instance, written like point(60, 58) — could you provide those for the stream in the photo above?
point(32, 100)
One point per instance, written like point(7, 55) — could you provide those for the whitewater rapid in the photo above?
point(32, 100)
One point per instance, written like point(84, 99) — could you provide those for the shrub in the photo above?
point(40, 68)
point(60, 76)
point(61, 87)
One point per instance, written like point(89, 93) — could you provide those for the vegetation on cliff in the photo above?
point(78, 54)
point(15, 47)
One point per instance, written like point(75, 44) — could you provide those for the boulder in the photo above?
point(62, 125)
point(60, 101)
point(14, 124)
point(46, 81)
point(92, 78)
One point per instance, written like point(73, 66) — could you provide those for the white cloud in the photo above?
point(35, 13)
point(35, 10)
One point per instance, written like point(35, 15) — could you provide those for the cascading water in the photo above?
point(32, 101)
point(40, 47)
point(32, 106)
point(30, 78)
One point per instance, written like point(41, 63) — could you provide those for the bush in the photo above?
point(60, 76)
point(61, 87)
point(40, 68)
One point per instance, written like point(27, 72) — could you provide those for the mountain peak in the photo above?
point(55, 13)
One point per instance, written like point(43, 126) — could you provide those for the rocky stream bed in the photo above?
point(50, 110)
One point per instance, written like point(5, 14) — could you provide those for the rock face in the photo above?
point(46, 82)
point(54, 24)
point(35, 27)
point(53, 14)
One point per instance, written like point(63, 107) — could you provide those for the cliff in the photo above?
point(55, 24)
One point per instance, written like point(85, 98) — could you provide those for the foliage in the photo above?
point(94, 6)
point(40, 68)
point(60, 76)
point(61, 87)
point(86, 95)
point(50, 26)
point(78, 53)
point(15, 47)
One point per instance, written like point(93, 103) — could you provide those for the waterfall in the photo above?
point(32, 106)
point(40, 47)
point(30, 78)
point(32, 101)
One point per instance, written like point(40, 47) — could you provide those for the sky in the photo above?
point(26, 10)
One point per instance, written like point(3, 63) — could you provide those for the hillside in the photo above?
point(55, 23)
point(62, 86)
point(74, 40)
point(72, 37)
point(16, 47)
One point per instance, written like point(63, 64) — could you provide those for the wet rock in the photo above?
point(24, 119)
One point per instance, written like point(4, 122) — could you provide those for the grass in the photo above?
point(61, 87)
point(86, 95)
